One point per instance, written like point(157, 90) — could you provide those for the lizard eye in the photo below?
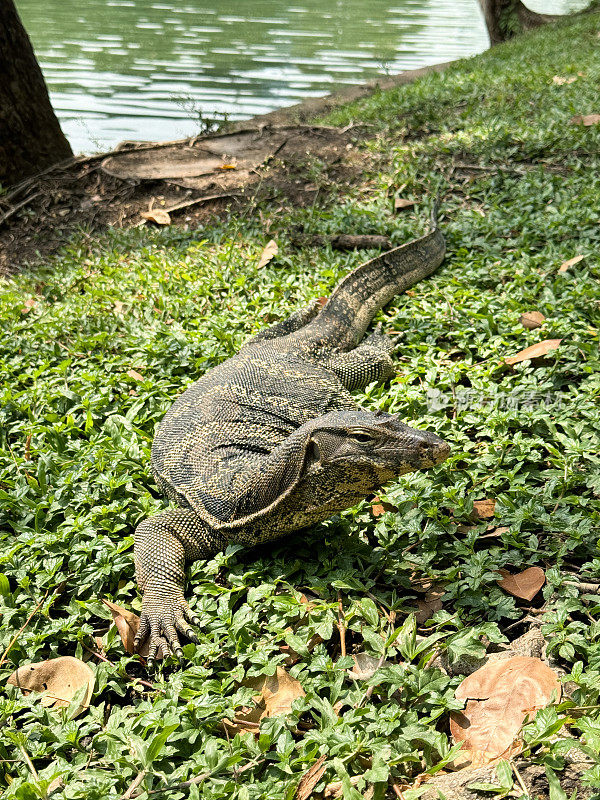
point(361, 437)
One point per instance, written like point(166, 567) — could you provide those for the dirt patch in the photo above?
point(272, 155)
point(191, 179)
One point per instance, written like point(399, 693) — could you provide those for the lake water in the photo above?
point(139, 69)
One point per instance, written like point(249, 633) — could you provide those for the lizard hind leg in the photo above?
point(290, 324)
point(379, 340)
point(368, 362)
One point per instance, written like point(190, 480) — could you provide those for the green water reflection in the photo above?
point(120, 69)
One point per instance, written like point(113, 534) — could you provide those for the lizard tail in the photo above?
point(363, 292)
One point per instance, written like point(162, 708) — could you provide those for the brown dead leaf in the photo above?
point(560, 81)
point(532, 319)
point(365, 666)
point(585, 119)
point(127, 623)
point(268, 254)
point(494, 533)
point(137, 376)
point(241, 723)
point(400, 203)
point(538, 350)
point(321, 301)
point(570, 263)
point(483, 509)
point(379, 507)
point(429, 605)
point(57, 783)
point(421, 583)
point(158, 216)
point(310, 779)
point(30, 303)
point(274, 695)
point(336, 789)
point(524, 584)
point(498, 697)
point(56, 681)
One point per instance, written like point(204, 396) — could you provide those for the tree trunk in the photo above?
point(506, 18)
point(30, 136)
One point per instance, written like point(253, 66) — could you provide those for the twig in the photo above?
point(183, 785)
point(343, 241)
point(341, 626)
point(433, 657)
point(519, 778)
point(522, 621)
point(129, 677)
point(22, 628)
point(397, 791)
point(29, 762)
point(196, 200)
point(134, 785)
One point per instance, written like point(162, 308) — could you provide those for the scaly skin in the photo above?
point(271, 440)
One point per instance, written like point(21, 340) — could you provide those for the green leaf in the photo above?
point(370, 611)
point(4, 586)
point(556, 790)
point(157, 744)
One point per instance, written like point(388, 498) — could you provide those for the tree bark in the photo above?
point(506, 18)
point(30, 135)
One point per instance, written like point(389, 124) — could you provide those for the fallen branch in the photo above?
point(134, 785)
point(344, 241)
point(13, 210)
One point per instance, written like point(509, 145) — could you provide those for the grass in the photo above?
point(98, 342)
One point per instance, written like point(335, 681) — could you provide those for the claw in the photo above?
point(142, 633)
point(192, 636)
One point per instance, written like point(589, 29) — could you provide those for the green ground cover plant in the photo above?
point(98, 342)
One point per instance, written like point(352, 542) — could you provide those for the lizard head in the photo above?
point(373, 444)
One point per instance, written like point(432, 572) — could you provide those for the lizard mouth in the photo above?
point(427, 452)
point(434, 452)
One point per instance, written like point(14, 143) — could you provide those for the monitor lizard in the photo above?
point(271, 441)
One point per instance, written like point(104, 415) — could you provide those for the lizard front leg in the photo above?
point(162, 546)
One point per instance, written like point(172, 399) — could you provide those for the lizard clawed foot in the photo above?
point(164, 616)
point(379, 339)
